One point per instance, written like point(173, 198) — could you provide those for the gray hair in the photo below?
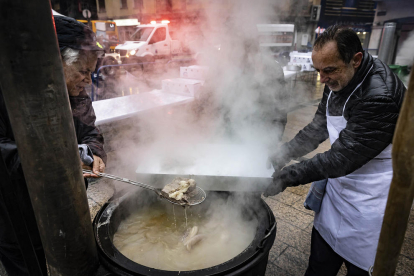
point(70, 56)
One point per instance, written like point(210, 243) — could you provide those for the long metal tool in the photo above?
point(196, 197)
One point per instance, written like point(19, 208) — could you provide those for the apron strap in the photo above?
point(343, 110)
point(327, 101)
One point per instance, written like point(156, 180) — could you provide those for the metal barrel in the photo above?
point(387, 42)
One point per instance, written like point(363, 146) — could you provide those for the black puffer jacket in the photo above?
point(371, 113)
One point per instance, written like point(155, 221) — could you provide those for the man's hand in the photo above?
point(281, 180)
point(276, 162)
point(98, 166)
point(277, 186)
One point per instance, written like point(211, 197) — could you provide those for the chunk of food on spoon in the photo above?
point(180, 189)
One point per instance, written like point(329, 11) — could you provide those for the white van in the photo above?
point(149, 42)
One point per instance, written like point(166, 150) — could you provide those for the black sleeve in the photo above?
point(369, 130)
point(309, 138)
point(84, 119)
point(94, 139)
point(90, 135)
point(86, 131)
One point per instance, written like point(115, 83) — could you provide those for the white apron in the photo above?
point(353, 207)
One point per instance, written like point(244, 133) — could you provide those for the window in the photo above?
point(141, 34)
point(159, 35)
point(163, 5)
point(124, 4)
point(138, 4)
point(102, 7)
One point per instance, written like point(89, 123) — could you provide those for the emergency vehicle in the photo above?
point(149, 42)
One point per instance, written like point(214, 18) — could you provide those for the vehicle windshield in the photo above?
point(142, 34)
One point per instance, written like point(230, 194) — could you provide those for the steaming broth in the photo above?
point(152, 238)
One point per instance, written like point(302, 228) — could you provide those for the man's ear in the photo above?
point(357, 59)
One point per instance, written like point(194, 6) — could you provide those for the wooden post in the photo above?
point(37, 101)
point(401, 195)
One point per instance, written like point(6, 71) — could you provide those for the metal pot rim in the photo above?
point(110, 255)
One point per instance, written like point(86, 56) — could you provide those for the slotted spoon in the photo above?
point(196, 197)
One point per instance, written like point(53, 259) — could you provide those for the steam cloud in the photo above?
point(244, 99)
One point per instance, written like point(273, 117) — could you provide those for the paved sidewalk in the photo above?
point(290, 253)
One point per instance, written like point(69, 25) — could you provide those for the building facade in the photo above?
point(192, 12)
point(74, 9)
point(400, 12)
point(147, 10)
point(357, 14)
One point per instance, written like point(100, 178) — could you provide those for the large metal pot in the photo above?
point(251, 262)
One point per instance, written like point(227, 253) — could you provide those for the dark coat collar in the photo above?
point(360, 74)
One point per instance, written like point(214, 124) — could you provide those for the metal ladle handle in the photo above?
point(261, 244)
point(371, 270)
point(122, 179)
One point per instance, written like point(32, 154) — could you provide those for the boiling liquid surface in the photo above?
point(154, 238)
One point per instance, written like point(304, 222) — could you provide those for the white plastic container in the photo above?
point(184, 72)
point(181, 86)
point(194, 72)
point(304, 60)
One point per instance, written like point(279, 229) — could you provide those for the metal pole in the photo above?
point(401, 195)
point(34, 89)
point(387, 41)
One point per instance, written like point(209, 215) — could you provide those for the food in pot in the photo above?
point(179, 189)
point(153, 236)
point(193, 241)
point(191, 232)
point(191, 238)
